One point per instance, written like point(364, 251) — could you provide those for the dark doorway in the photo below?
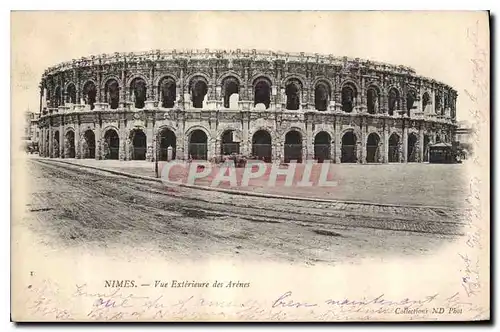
point(372, 148)
point(138, 87)
point(230, 143)
point(348, 95)
point(349, 148)
point(394, 148)
point(412, 148)
point(69, 148)
point(88, 149)
point(261, 146)
point(322, 146)
point(262, 92)
point(139, 144)
point(112, 93)
point(231, 86)
point(198, 145)
point(292, 91)
point(167, 92)
point(89, 94)
point(293, 146)
point(167, 138)
point(321, 97)
point(199, 89)
point(112, 144)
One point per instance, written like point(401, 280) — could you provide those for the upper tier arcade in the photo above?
point(243, 80)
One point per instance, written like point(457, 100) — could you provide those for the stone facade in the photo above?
point(277, 106)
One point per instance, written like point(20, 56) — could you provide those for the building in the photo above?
point(271, 105)
point(31, 132)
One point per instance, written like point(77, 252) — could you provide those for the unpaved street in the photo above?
point(73, 207)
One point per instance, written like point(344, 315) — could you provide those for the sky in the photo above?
point(451, 47)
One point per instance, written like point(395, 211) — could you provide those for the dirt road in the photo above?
point(73, 207)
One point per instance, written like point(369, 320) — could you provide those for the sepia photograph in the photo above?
point(237, 166)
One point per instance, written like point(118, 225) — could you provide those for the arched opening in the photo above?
point(57, 97)
point(372, 148)
point(111, 144)
point(139, 144)
point(167, 92)
point(262, 92)
point(411, 97)
point(55, 144)
point(412, 148)
point(230, 143)
point(71, 93)
point(69, 144)
point(438, 139)
point(426, 100)
point(167, 139)
point(322, 146)
point(293, 146)
point(230, 86)
point(348, 98)
point(262, 145)
point(394, 148)
point(427, 141)
point(393, 101)
point(372, 100)
point(198, 145)
point(89, 94)
point(88, 146)
point(199, 89)
point(438, 105)
point(348, 148)
point(112, 93)
point(292, 91)
point(321, 96)
point(138, 89)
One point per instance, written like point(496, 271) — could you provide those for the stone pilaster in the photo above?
point(404, 158)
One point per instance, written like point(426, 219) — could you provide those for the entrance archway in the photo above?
point(262, 145)
point(394, 148)
point(198, 145)
point(88, 148)
point(167, 138)
point(292, 91)
point(349, 148)
point(69, 144)
point(372, 148)
point(230, 143)
point(138, 144)
point(112, 144)
point(322, 146)
point(412, 148)
point(293, 146)
point(56, 146)
point(138, 88)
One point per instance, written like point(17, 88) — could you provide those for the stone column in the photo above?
point(385, 146)
point(122, 134)
point(50, 141)
point(41, 144)
point(338, 141)
point(78, 152)
point(61, 141)
point(149, 140)
point(420, 145)
point(364, 134)
point(245, 148)
point(405, 144)
point(98, 142)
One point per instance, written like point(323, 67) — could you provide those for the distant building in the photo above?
point(464, 136)
point(31, 130)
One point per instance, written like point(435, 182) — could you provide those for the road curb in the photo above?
point(241, 192)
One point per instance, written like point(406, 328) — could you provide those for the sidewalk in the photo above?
point(411, 184)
